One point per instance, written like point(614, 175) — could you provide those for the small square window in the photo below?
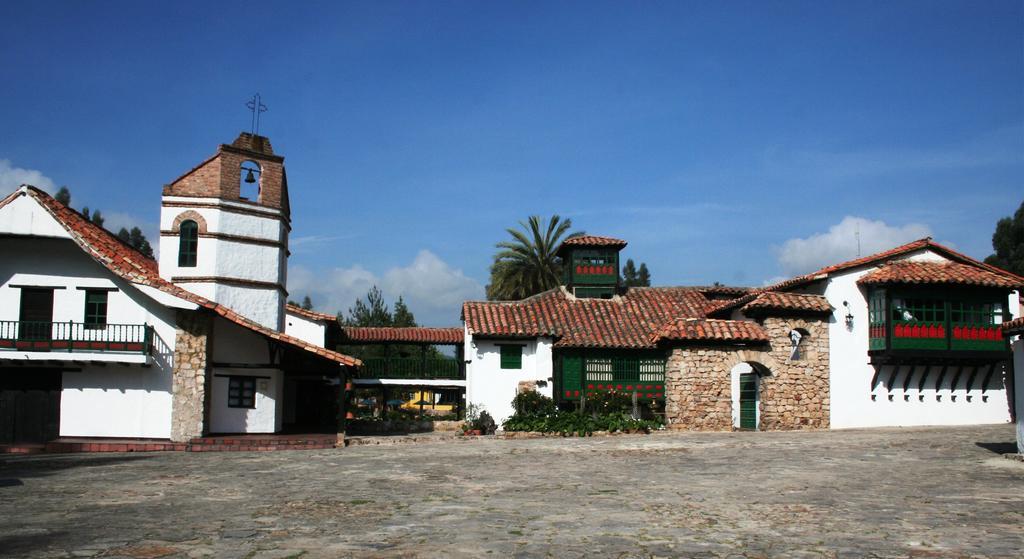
point(511, 356)
point(241, 392)
point(95, 309)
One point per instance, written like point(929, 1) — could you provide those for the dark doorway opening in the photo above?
point(29, 405)
point(314, 403)
point(36, 314)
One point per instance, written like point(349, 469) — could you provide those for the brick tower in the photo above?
point(224, 230)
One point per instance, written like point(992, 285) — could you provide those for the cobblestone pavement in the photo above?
point(880, 493)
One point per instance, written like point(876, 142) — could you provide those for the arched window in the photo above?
point(798, 341)
point(188, 243)
point(249, 177)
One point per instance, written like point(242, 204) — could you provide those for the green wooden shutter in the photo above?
point(748, 401)
point(511, 356)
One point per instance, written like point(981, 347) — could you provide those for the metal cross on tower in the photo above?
point(256, 106)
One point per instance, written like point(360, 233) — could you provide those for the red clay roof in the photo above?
point(1015, 326)
point(933, 273)
point(130, 264)
point(796, 302)
point(706, 329)
point(592, 241)
point(823, 273)
point(311, 315)
point(444, 336)
point(627, 321)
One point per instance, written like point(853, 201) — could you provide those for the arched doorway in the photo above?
point(746, 395)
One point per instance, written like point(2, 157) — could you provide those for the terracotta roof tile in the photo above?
point(823, 273)
point(444, 336)
point(592, 241)
point(130, 264)
point(1015, 326)
point(627, 321)
point(797, 302)
point(707, 329)
point(311, 315)
point(937, 273)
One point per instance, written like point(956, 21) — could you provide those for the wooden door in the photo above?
point(29, 405)
point(748, 401)
point(36, 314)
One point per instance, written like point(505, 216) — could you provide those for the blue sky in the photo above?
point(729, 141)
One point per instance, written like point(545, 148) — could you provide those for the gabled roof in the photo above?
point(415, 334)
point(773, 301)
point(591, 241)
point(707, 329)
point(131, 265)
point(937, 273)
point(627, 321)
point(824, 273)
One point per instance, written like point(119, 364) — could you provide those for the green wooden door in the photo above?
point(748, 401)
point(572, 375)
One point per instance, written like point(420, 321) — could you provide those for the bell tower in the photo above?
point(590, 265)
point(224, 230)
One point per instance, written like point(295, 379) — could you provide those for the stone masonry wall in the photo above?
point(794, 394)
point(190, 375)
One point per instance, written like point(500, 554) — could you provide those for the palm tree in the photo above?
point(527, 264)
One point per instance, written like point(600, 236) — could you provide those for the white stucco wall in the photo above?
point(1018, 370)
point(24, 216)
point(233, 259)
point(851, 373)
point(312, 331)
point(241, 352)
point(266, 417)
point(116, 400)
point(490, 386)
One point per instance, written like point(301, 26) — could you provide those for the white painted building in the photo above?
point(96, 340)
point(930, 353)
point(1015, 329)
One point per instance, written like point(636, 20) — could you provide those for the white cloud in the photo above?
point(840, 243)
point(433, 290)
point(12, 177)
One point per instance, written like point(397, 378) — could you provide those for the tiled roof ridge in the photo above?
point(315, 315)
point(435, 334)
point(1015, 326)
point(711, 329)
point(150, 276)
point(945, 272)
point(784, 301)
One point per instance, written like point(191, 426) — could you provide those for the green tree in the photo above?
point(63, 196)
point(629, 273)
point(527, 264)
point(402, 317)
point(307, 303)
point(371, 312)
point(643, 276)
point(137, 240)
point(1008, 242)
point(631, 277)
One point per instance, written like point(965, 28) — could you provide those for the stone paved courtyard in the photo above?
point(939, 492)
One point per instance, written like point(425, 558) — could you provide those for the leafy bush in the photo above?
point(533, 403)
point(485, 423)
point(609, 402)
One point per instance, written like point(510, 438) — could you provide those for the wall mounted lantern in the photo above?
point(849, 315)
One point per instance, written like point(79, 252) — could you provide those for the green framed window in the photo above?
point(242, 392)
point(95, 309)
point(511, 356)
point(188, 243)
